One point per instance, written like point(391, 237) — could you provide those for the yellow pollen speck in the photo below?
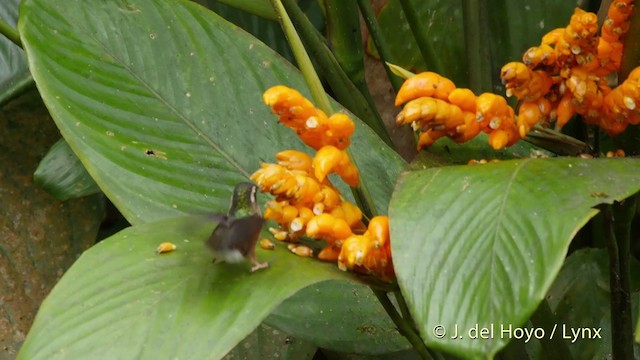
point(311, 123)
point(267, 244)
point(296, 225)
point(495, 123)
point(629, 103)
point(165, 247)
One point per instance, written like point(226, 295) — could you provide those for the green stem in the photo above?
point(404, 309)
point(554, 347)
point(343, 32)
point(381, 44)
point(420, 32)
point(304, 62)
point(10, 33)
point(556, 142)
point(624, 213)
point(346, 92)
point(16, 88)
point(476, 32)
point(361, 193)
point(515, 350)
point(403, 326)
point(621, 340)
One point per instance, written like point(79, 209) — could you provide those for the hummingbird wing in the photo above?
point(239, 234)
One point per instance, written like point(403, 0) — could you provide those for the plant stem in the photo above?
point(381, 44)
point(304, 62)
point(346, 92)
point(420, 34)
point(554, 347)
point(556, 142)
point(623, 213)
point(10, 33)
point(621, 339)
point(476, 31)
point(361, 193)
point(515, 350)
point(404, 309)
point(345, 38)
point(403, 326)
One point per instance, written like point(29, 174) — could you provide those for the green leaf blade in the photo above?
point(122, 298)
point(339, 316)
point(162, 103)
point(61, 174)
point(482, 245)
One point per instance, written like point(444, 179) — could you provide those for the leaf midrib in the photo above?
point(495, 236)
point(167, 104)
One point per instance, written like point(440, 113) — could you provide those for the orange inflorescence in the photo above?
point(312, 125)
point(370, 251)
point(567, 74)
point(563, 76)
point(306, 202)
point(436, 108)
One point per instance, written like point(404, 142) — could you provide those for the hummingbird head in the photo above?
point(244, 201)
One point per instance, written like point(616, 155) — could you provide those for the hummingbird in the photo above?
point(235, 237)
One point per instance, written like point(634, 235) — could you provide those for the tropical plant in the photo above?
point(160, 107)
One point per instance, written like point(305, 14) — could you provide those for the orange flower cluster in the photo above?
point(437, 108)
point(307, 203)
point(312, 125)
point(369, 252)
point(567, 74)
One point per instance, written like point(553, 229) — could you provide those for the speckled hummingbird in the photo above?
point(235, 237)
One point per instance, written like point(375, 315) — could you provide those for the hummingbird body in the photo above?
point(235, 237)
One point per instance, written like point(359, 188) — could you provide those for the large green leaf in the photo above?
point(343, 317)
point(481, 245)
point(580, 298)
point(257, 7)
point(14, 73)
point(122, 299)
point(162, 142)
point(266, 343)
point(61, 174)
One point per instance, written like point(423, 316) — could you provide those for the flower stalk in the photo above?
point(10, 33)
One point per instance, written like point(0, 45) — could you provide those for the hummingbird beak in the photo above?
point(254, 200)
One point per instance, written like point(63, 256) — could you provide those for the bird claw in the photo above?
point(258, 266)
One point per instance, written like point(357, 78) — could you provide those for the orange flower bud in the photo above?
point(301, 250)
point(426, 138)
point(294, 160)
point(267, 244)
point(528, 115)
point(327, 227)
point(348, 212)
point(426, 84)
point(379, 230)
point(327, 196)
point(565, 110)
point(331, 159)
point(293, 108)
point(354, 250)
point(329, 253)
point(465, 99)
